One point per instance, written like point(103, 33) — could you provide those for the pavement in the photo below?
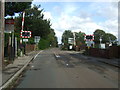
point(13, 70)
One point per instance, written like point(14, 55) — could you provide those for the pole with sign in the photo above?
point(89, 40)
point(24, 35)
point(36, 40)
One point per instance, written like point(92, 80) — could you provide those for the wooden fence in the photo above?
point(30, 47)
point(111, 52)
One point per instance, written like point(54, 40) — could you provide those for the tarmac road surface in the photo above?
point(53, 68)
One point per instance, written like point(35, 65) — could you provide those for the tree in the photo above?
point(15, 7)
point(80, 37)
point(66, 34)
point(43, 44)
point(110, 38)
point(98, 34)
point(52, 39)
point(35, 22)
point(106, 37)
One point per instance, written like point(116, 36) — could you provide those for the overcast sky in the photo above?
point(81, 16)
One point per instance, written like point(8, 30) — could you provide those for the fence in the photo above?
point(30, 47)
point(111, 52)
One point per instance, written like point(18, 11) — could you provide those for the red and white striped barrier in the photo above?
point(24, 34)
point(23, 21)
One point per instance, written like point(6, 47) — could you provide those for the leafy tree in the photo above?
point(80, 37)
point(109, 38)
point(66, 34)
point(98, 34)
point(43, 44)
point(35, 22)
point(15, 7)
point(52, 38)
point(106, 37)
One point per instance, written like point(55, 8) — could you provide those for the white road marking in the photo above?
point(37, 54)
point(56, 55)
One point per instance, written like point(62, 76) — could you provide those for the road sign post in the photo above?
point(25, 34)
point(36, 40)
point(9, 28)
point(89, 40)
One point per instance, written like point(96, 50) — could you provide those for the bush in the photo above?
point(43, 44)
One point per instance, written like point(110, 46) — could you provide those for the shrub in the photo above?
point(43, 44)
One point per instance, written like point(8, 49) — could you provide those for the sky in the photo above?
point(81, 16)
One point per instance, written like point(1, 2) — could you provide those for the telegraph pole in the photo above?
point(74, 43)
point(2, 27)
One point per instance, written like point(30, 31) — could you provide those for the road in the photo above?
point(54, 68)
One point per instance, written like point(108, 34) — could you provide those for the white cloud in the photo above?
point(84, 22)
point(86, 25)
point(57, 10)
point(75, 24)
point(110, 26)
point(107, 10)
point(47, 15)
point(69, 8)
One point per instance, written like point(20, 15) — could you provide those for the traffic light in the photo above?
point(25, 34)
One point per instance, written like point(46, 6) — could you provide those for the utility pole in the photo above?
point(2, 27)
point(74, 38)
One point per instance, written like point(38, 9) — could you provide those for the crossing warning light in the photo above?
point(89, 37)
point(25, 34)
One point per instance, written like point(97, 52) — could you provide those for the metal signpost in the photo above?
point(36, 40)
point(9, 28)
point(25, 40)
point(89, 40)
point(24, 36)
point(9, 25)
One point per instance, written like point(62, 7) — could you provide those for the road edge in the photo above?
point(6, 85)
